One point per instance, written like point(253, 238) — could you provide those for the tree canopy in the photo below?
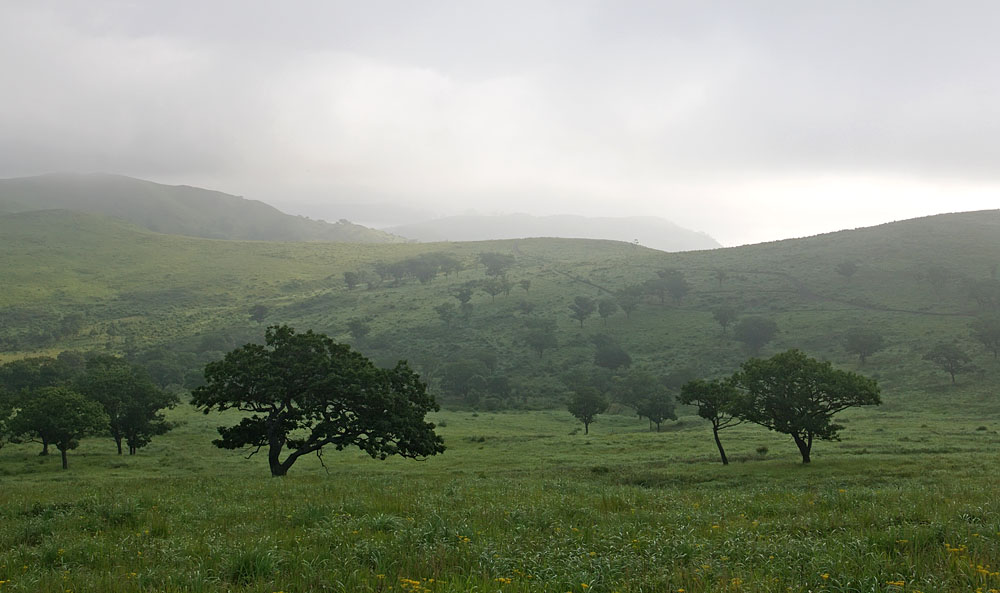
point(794, 394)
point(585, 404)
point(716, 401)
point(59, 416)
point(303, 392)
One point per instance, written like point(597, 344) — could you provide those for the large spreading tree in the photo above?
point(303, 392)
point(794, 394)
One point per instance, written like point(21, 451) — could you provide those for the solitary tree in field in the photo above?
point(716, 401)
point(724, 316)
point(952, 359)
point(359, 327)
point(796, 395)
point(864, 342)
point(987, 331)
point(303, 392)
point(131, 401)
point(847, 269)
point(258, 313)
point(582, 308)
point(586, 404)
point(629, 299)
point(540, 334)
point(755, 332)
point(59, 416)
point(351, 279)
point(525, 284)
point(447, 312)
point(606, 308)
point(675, 284)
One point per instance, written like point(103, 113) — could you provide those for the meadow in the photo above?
point(521, 501)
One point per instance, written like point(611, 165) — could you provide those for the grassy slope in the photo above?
point(906, 502)
point(179, 209)
point(171, 290)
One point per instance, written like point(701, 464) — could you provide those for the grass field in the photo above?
point(520, 501)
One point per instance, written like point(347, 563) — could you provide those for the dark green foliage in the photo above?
point(582, 308)
point(796, 395)
point(464, 380)
point(716, 401)
point(950, 358)
point(646, 394)
point(585, 404)
point(492, 287)
point(448, 312)
point(675, 284)
point(305, 392)
point(847, 269)
point(864, 342)
point(724, 316)
point(609, 354)
point(351, 279)
point(496, 264)
point(359, 327)
point(525, 284)
point(606, 308)
point(258, 313)
point(755, 332)
point(7, 407)
point(629, 299)
point(987, 331)
point(540, 335)
point(58, 416)
point(131, 401)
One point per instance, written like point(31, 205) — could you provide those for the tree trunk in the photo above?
point(118, 441)
point(64, 463)
point(952, 377)
point(718, 443)
point(804, 446)
point(586, 428)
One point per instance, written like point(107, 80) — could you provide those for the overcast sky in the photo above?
point(750, 121)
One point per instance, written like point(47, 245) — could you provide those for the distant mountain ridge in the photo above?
point(175, 209)
point(649, 231)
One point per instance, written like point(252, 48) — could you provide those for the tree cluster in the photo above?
point(789, 393)
point(58, 401)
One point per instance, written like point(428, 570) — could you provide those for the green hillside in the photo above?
point(77, 281)
point(181, 209)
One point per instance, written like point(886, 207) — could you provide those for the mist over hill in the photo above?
point(648, 231)
point(175, 209)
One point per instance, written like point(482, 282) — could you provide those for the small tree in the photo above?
point(586, 404)
point(258, 313)
point(448, 312)
point(582, 308)
point(609, 354)
point(352, 279)
point(629, 299)
point(540, 335)
point(724, 316)
point(864, 342)
point(493, 287)
point(755, 332)
point(675, 284)
point(359, 327)
point(657, 406)
point(496, 264)
point(952, 359)
point(721, 276)
point(847, 269)
point(987, 331)
point(59, 416)
point(305, 392)
point(716, 401)
point(606, 308)
point(525, 285)
point(796, 395)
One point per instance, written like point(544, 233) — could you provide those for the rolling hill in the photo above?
point(81, 281)
point(179, 210)
point(648, 231)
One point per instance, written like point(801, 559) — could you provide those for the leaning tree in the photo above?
point(303, 392)
point(794, 394)
point(716, 402)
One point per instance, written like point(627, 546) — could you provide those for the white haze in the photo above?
point(750, 121)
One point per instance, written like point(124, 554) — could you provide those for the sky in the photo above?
point(748, 120)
